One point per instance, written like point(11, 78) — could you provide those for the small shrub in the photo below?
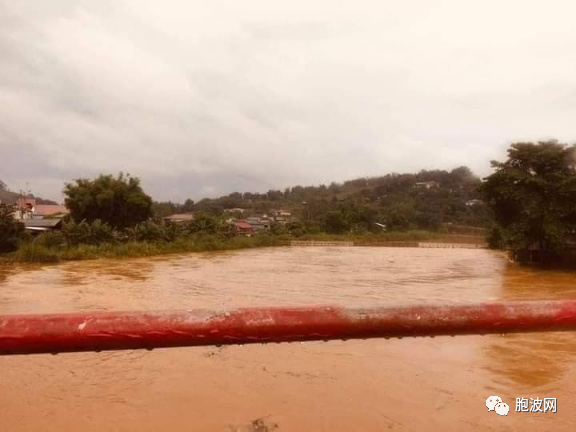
point(93, 233)
point(147, 231)
point(11, 231)
point(495, 239)
point(51, 240)
point(31, 252)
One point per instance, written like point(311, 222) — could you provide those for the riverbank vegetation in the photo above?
point(118, 201)
point(84, 241)
point(526, 205)
point(38, 252)
point(426, 200)
point(532, 196)
point(113, 217)
point(12, 232)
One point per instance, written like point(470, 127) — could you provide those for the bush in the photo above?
point(496, 239)
point(51, 239)
point(118, 201)
point(12, 232)
point(205, 223)
point(359, 229)
point(172, 232)
point(31, 252)
point(296, 229)
point(149, 231)
point(93, 233)
point(278, 229)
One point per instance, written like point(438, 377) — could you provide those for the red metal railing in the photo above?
point(96, 331)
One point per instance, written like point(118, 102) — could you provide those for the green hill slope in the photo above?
point(426, 200)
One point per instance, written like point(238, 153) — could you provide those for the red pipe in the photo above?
point(96, 331)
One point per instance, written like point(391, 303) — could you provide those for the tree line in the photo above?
point(532, 196)
point(116, 208)
point(358, 205)
point(527, 202)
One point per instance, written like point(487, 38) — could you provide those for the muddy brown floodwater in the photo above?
point(422, 384)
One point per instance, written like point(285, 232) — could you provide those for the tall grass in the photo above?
point(395, 236)
point(30, 252)
point(39, 251)
point(50, 248)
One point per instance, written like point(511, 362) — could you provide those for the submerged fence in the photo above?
point(454, 245)
point(443, 245)
point(320, 243)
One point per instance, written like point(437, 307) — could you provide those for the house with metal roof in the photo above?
point(50, 210)
point(179, 218)
point(26, 208)
point(243, 228)
point(40, 225)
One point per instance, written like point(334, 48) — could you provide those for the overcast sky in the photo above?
point(200, 99)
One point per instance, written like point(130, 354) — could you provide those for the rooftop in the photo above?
point(243, 225)
point(41, 223)
point(50, 209)
point(180, 217)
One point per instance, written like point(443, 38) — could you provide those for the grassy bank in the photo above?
point(38, 251)
point(399, 236)
point(33, 252)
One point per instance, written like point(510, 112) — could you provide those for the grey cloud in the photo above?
point(204, 99)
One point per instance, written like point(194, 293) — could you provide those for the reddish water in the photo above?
point(375, 385)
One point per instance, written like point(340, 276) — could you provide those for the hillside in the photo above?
point(9, 197)
point(426, 200)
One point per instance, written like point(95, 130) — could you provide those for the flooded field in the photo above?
point(374, 385)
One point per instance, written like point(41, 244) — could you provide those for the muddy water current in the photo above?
point(421, 384)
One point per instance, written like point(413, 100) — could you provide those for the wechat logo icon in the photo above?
point(494, 403)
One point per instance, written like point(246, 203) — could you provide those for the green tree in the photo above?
point(188, 205)
point(295, 228)
point(163, 209)
point(95, 232)
point(275, 195)
point(118, 201)
point(532, 196)
point(206, 223)
point(11, 231)
point(336, 222)
point(400, 215)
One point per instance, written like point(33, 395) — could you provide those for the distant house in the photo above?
point(26, 202)
point(243, 228)
point(50, 210)
point(427, 185)
point(26, 208)
point(256, 223)
point(266, 221)
point(41, 225)
point(281, 216)
point(179, 218)
point(235, 210)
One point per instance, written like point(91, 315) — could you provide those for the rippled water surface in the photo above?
point(374, 385)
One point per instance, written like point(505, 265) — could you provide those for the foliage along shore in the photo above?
point(33, 252)
point(45, 250)
point(526, 203)
point(112, 217)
